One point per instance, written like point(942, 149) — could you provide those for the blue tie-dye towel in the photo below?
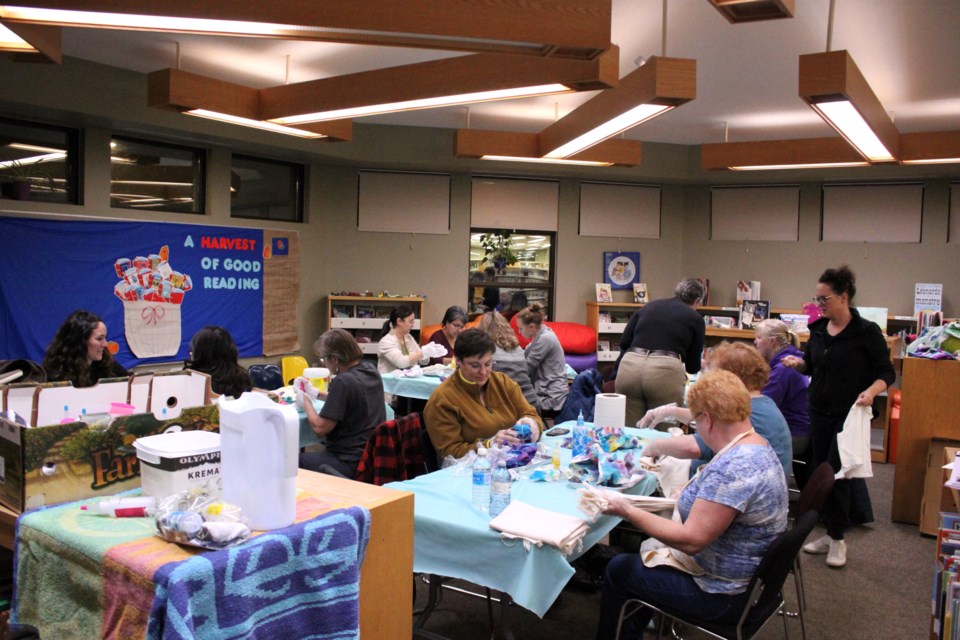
point(302, 581)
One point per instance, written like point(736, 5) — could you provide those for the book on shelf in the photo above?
point(383, 313)
point(753, 312)
point(604, 292)
point(364, 311)
point(720, 322)
point(796, 322)
point(343, 311)
point(877, 315)
point(363, 335)
point(747, 290)
point(640, 292)
point(603, 345)
point(603, 316)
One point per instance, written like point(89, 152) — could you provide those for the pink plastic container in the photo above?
point(121, 409)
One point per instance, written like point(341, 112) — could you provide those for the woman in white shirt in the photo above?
point(398, 349)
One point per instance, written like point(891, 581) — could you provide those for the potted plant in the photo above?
point(497, 250)
point(17, 178)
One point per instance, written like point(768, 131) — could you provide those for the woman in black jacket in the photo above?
point(849, 362)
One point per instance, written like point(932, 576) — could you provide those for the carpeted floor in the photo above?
point(882, 594)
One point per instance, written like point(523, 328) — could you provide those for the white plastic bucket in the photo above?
point(260, 446)
point(319, 377)
point(174, 462)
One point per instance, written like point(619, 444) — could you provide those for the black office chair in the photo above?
point(765, 591)
point(814, 495)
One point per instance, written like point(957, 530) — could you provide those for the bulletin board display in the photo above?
point(154, 284)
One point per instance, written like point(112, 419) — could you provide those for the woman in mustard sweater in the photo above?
point(476, 403)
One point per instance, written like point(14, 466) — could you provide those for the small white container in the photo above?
point(319, 377)
point(174, 462)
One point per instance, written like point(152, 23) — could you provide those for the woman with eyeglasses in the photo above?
point(729, 515)
point(397, 348)
point(352, 407)
point(452, 324)
point(787, 387)
point(848, 361)
point(745, 362)
point(477, 405)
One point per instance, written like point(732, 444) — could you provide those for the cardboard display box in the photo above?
point(59, 462)
point(936, 497)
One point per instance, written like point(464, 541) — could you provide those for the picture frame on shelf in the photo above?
point(603, 345)
point(640, 292)
point(604, 317)
point(753, 312)
point(621, 269)
point(604, 292)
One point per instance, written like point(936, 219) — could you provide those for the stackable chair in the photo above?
point(293, 367)
point(812, 498)
point(765, 591)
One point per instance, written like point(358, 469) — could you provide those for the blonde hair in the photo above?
point(782, 337)
point(722, 395)
point(742, 360)
point(497, 327)
point(532, 314)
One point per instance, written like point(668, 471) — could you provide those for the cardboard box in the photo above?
point(53, 463)
point(936, 497)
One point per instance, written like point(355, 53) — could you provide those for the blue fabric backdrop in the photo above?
point(50, 268)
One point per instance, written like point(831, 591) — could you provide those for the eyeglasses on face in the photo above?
point(693, 423)
point(476, 365)
point(821, 299)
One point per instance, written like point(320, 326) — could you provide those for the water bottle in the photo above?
point(499, 489)
point(579, 437)
point(480, 497)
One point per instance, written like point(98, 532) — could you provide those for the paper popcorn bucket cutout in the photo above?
point(152, 328)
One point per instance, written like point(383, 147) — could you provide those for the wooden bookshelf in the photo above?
point(344, 312)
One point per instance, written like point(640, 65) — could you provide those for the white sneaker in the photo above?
point(837, 557)
point(818, 546)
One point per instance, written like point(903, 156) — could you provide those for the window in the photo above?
point(266, 189)
point(520, 276)
point(156, 177)
point(39, 162)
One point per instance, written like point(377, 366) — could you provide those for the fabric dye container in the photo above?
point(174, 462)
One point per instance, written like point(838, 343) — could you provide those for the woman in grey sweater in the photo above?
point(548, 369)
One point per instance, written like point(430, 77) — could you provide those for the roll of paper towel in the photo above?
point(610, 410)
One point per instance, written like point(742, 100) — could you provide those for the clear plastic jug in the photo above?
point(259, 451)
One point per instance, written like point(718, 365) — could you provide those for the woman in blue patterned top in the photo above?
point(729, 514)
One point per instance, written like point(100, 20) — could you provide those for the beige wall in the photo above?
point(335, 256)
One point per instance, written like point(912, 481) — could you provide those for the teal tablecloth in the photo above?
point(453, 539)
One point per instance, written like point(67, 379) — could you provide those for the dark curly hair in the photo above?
point(66, 357)
point(213, 351)
point(840, 280)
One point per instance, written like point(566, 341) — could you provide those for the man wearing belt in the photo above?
point(663, 342)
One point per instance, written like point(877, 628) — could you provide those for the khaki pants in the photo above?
point(649, 382)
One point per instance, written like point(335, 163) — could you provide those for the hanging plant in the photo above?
point(497, 250)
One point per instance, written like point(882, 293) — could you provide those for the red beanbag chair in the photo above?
point(574, 337)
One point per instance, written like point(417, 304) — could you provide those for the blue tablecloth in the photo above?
point(307, 436)
point(453, 539)
point(422, 386)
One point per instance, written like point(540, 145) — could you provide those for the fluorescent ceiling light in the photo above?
point(6, 164)
point(848, 122)
point(649, 91)
point(34, 147)
point(258, 124)
point(930, 147)
point(507, 26)
point(823, 165)
point(9, 41)
point(933, 161)
point(633, 117)
point(424, 103)
point(833, 86)
point(586, 163)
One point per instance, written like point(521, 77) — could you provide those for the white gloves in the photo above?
point(433, 350)
point(304, 385)
point(656, 416)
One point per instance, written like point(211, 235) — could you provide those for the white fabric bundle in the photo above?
point(593, 501)
point(434, 350)
point(537, 526)
point(854, 444)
